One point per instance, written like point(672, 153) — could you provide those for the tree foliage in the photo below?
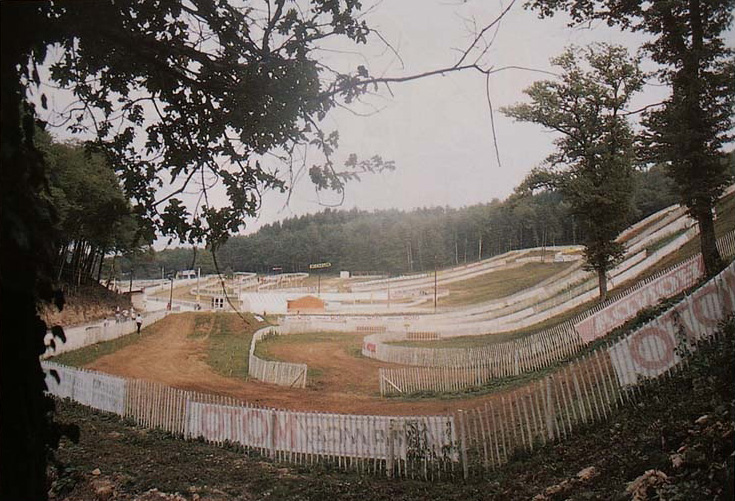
point(397, 242)
point(688, 131)
point(592, 165)
point(94, 215)
point(177, 96)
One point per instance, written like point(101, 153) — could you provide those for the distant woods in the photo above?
point(392, 241)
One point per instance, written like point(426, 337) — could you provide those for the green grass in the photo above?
point(264, 349)
point(660, 243)
point(645, 227)
point(499, 284)
point(229, 343)
point(465, 341)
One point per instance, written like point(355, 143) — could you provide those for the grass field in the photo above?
point(229, 343)
point(264, 349)
point(89, 354)
point(498, 284)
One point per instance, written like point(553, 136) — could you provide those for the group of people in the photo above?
point(125, 315)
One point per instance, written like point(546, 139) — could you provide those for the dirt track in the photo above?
point(344, 383)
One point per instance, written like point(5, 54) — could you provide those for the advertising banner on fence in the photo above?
point(320, 434)
point(100, 391)
point(656, 347)
point(97, 390)
point(615, 315)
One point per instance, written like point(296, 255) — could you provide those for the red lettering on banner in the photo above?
point(647, 338)
point(370, 347)
point(285, 430)
point(618, 313)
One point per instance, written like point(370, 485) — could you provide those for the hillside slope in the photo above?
point(677, 443)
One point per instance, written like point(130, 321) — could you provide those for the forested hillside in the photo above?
point(392, 241)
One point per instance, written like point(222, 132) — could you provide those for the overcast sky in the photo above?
point(438, 129)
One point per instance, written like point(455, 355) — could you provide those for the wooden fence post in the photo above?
point(272, 434)
point(463, 444)
point(389, 463)
point(550, 419)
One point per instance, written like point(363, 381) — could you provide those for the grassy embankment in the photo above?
point(724, 224)
point(351, 345)
point(499, 284)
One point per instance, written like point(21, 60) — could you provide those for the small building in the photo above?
point(306, 304)
point(218, 302)
point(186, 274)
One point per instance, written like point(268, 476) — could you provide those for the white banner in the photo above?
point(654, 348)
point(99, 391)
point(615, 315)
point(322, 434)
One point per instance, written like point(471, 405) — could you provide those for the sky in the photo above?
point(438, 129)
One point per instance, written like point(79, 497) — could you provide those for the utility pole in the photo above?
point(434, 284)
point(171, 294)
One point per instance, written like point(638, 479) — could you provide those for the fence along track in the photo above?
point(413, 446)
point(456, 369)
point(590, 389)
point(469, 441)
point(281, 373)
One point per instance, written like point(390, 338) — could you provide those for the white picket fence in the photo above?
point(271, 371)
point(423, 446)
point(470, 441)
point(451, 370)
point(590, 389)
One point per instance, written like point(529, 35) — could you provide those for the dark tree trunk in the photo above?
point(99, 267)
point(713, 262)
point(602, 283)
point(26, 270)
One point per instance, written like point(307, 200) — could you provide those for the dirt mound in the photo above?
point(85, 303)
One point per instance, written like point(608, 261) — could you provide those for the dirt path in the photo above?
point(343, 383)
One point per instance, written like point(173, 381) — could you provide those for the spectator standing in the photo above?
point(138, 322)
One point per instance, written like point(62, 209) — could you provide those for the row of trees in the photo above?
point(393, 241)
point(94, 217)
point(587, 107)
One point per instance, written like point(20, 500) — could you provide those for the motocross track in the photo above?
point(343, 384)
